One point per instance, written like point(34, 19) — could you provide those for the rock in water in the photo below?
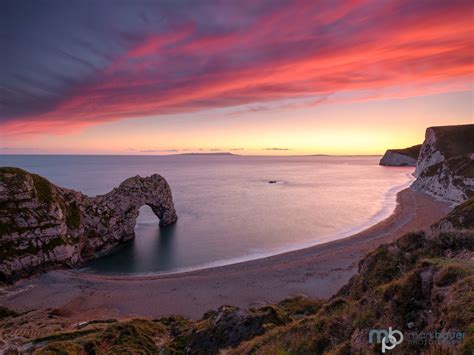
point(401, 157)
point(43, 226)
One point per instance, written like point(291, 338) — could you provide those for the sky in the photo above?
point(248, 77)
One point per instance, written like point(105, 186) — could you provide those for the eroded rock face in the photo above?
point(445, 167)
point(43, 226)
point(401, 157)
point(430, 153)
point(451, 179)
point(392, 158)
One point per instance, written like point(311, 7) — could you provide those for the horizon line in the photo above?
point(191, 154)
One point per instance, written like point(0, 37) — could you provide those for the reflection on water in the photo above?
point(166, 238)
point(151, 250)
point(227, 210)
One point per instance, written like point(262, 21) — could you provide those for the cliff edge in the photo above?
point(444, 162)
point(445, 166)
point(44, 226)
point(401, 157)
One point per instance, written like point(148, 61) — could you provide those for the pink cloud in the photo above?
point(305, 48)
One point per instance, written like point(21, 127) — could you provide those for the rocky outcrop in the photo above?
point(451, 179)
point(445, 166)
point(401, 157)
point(445, 142)
point(43, 226)
point(460, 220)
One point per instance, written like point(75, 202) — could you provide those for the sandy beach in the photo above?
point(317, 271)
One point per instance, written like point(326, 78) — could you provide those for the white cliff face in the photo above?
point(442, 181)
point(443, 174)
point(429, 153)
point(393, 158)
point(43, 226)
point(401, 157)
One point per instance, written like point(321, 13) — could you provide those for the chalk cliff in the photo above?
point(445, 166)
point(444, 162)
point(401, 157)
point(43, 226)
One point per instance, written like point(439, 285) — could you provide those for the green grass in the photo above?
point(62, 348)
point(17, 178)
point(459, 313)
point(44, 190)
point(63, 336)
point(137, 336)
point(450, 275)
point(463, 215)
point(297, 306)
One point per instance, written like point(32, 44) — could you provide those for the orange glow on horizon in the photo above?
point(356, 77)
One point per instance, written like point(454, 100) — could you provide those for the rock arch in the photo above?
point(43, 226)
point(138, 191)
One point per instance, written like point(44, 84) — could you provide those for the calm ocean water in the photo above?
point(228, 212)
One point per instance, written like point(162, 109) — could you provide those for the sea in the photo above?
point(228, 210)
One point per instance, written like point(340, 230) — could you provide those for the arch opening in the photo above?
point(146, 217)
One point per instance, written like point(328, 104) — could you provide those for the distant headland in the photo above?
point(218, 153)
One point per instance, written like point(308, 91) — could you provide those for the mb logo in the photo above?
point(388, 338)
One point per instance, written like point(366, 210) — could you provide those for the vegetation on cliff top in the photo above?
point(454, 140)
point(14, 179)
point(462, 217)
point(14, 176)
point(412, 151)
point(43, 188)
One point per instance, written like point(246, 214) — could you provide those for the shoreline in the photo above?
point(391, 198)
point(316, 271)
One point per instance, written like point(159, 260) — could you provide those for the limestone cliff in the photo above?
point(401, 157)
point(445, 142)
point(445, 166)
point(43, 226)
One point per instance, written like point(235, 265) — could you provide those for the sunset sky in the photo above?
point(249, 77)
